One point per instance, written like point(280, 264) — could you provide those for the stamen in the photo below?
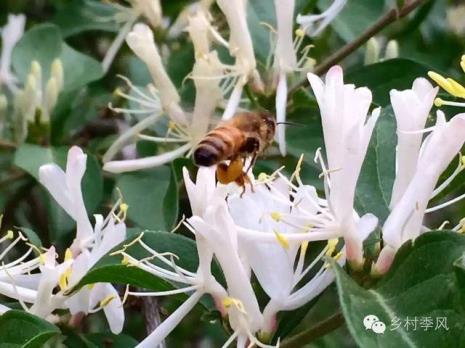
point(445, 183)
point(162, 140)
point(164, 293)
point(282, 240)
point(446, 204)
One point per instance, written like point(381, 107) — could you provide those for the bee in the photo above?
point(247, 134)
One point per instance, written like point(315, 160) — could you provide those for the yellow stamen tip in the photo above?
point(262, 177)
point(125, 260)
point(438, 102)
point(10, 234)
point(276, 216)
point(64, 279)
point(123, 207)
point(68, 254)
point(282, 240)
point(332, 243)
point(42, 259)
point(228, 302)
point(107, 300)
point(299, 32)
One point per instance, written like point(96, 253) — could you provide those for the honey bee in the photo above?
point(247, 134)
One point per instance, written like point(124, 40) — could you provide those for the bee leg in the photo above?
point(229, 173)
point(252, 162)
point(243, 181)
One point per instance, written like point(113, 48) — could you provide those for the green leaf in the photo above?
point(355, 17)
point(79, 69)
point(21, 329)
point(258, 13)
point(44, 43)
point(151, 196)
point(420, 284)
point(374, 185)
point(77, 16)
point(380, 78)
point(30, 157)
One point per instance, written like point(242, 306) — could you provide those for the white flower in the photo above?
point(65, 188)
point(347, 133)
point(240, 47)
point(11, 34)
point(411, 108)
point(287, 49)
point(315, 24)
point(142, 43)
point(406, 219)
point(90, 244)
point(207, 74)
point(277, 211)
point(126, 17)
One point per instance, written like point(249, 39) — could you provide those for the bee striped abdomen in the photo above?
point(218, 145)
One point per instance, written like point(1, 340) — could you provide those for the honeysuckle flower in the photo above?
point(405, 222)
point(182, 21)
point(125, 17)
point(11, 34)
point(287, 49)
point(347, 132)
point(275, 209)
point(313, 25)
point(65, 188)
point(411, 109)
point(187, 131)
point(240, 47)
point(34, 289)
point(90, 243)
point(450, 85)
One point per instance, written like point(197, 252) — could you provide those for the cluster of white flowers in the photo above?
point(42, 285)
point(214, 81)
point(268, 230)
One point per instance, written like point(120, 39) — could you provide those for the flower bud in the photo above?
point(57, 73)
point(372, 51)
point(36, 71)
point(51, 96)
point(392, 50)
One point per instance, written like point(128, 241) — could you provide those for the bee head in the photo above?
point(269, 126)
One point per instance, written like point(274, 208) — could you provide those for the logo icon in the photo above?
point(372, 322)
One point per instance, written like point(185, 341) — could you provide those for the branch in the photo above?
point(388, 18)
point(311, 334)
point(151, 310)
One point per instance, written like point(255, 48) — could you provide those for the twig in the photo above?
point(311, 334)
point(388, 18)
point(7, 145)
point(152, 316)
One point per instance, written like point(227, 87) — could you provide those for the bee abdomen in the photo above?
point(218, 145)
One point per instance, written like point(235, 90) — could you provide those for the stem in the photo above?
point(152, 316)
point(311, 334)
point(116, 45)
point(388, 18)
